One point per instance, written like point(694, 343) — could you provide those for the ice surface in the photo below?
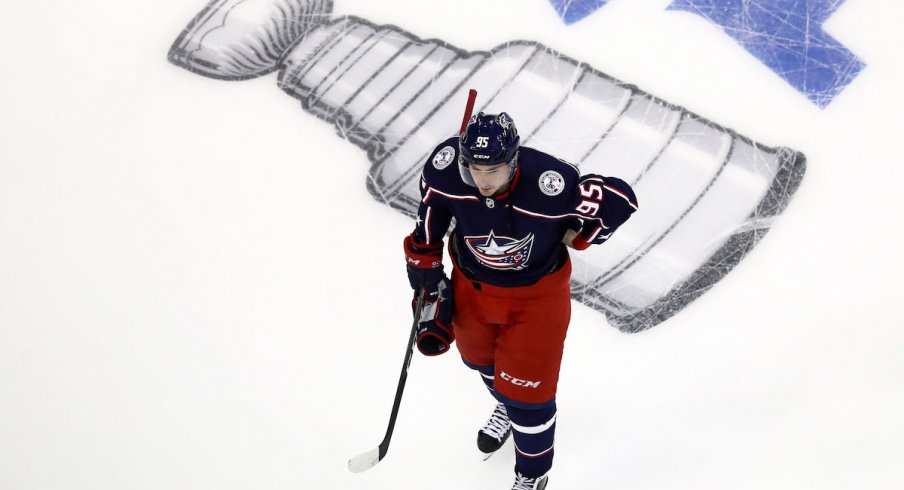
point(708, 193)
point(197, 291)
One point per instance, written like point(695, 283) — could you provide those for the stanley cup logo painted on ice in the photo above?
point(709, 194)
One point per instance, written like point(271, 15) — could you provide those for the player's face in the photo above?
point(490, 179)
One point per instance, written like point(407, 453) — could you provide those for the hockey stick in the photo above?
point(368, 460)
point(472, 96)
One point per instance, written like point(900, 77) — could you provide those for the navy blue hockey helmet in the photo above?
point(489, 139)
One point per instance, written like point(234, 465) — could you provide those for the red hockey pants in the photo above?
point(520, 331)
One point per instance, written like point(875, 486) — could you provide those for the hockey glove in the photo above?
point(593, 233)
point(424, 264)
point(434, 331)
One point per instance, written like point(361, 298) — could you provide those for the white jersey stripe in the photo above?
point(538, 215)
point(537, 429)
point(427, 224)
point(450, 196)
point(621, 195)
point(560, 216)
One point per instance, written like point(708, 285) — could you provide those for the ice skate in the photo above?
point(495, 432)
point(524, 483)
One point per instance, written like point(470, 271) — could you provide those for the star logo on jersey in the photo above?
point(500, 252)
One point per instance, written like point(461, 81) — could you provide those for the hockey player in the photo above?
point(514, 207)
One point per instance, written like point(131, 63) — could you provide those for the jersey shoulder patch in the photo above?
point(551, 183)
point(444, 157)
point(441, 169)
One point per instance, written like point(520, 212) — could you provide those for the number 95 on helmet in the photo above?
point(488, 139)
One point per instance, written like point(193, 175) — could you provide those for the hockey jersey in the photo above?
point(515, 238)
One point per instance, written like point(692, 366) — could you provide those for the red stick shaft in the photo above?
point(472, 96)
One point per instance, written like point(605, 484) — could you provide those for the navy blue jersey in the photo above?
point(515, 238)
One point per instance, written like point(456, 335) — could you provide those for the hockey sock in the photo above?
point(486, 375)
point(534, 433)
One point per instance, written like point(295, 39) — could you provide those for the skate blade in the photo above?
point(486, 456)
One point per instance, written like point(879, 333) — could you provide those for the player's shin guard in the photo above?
point(534, 433)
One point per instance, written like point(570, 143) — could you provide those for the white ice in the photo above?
point(197, 291)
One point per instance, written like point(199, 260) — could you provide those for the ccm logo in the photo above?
point(519, 382)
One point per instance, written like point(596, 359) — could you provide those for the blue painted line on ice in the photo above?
point(572, 11)
point(785, 35)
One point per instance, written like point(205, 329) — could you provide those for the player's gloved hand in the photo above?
point(424, 264)
point(425, 275)
point(434, 331)
point(590, 234)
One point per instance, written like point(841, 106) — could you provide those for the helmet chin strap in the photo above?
point(512, 166)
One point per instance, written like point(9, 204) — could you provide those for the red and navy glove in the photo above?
point(425, 275)
point(434, 330)
point(593, 233)
point(424, 264)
